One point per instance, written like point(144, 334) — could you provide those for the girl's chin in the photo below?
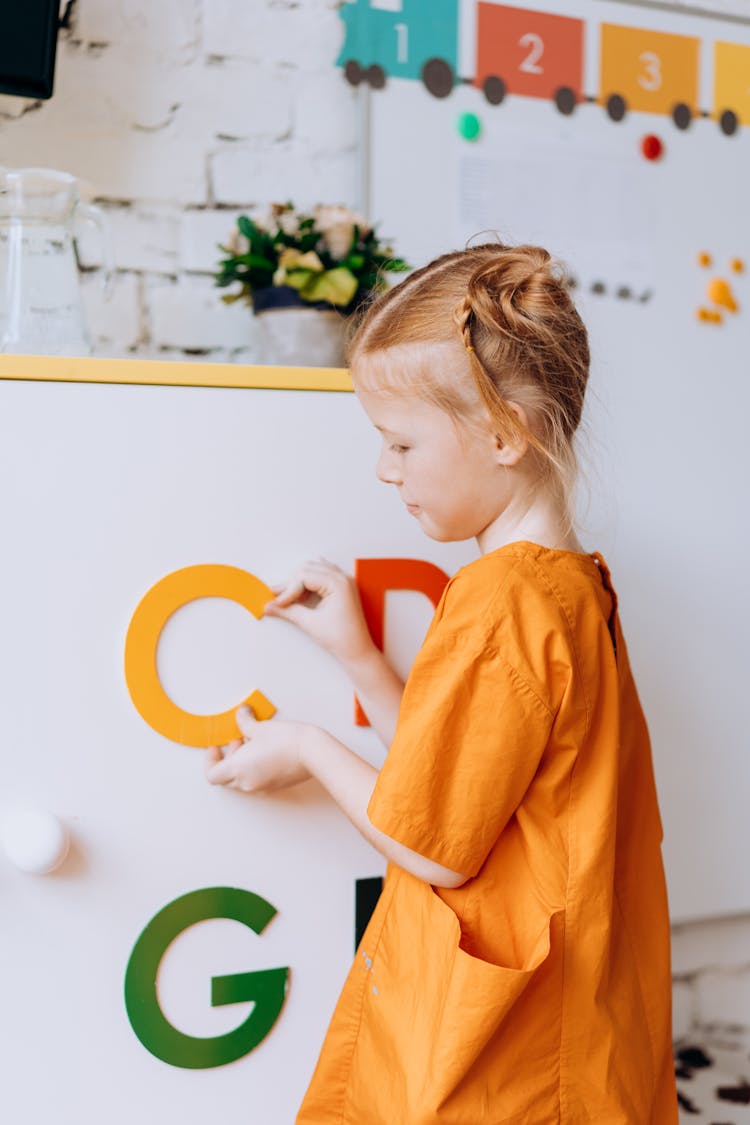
point(443, 534)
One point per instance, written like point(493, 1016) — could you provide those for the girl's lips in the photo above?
point(412, 507)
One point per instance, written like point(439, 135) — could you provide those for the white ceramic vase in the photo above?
point(301, 337)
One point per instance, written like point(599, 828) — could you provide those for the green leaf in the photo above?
point(393, 265)
point(309, 241)
point(246, 226)
point(298, 279)
point(337, 286)
point(256, 262)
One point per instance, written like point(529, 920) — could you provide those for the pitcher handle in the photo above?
point(90, 213)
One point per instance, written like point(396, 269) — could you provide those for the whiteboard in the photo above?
point(664, 444)
point(106, 490)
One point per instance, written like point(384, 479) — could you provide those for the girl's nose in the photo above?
point(386, 469)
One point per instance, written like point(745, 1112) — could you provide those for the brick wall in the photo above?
point(711, 974)
point(178, 115)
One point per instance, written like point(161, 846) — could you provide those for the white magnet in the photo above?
point(33, 839)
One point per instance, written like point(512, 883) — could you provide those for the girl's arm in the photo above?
point(323, 601)
point(275, 754)
point(350, 781)
point(379, 690)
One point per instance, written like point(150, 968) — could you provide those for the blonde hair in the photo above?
point(508, 331)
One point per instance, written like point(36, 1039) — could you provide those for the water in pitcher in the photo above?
point(41, 310)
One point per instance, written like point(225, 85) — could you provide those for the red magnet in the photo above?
point(652, 147)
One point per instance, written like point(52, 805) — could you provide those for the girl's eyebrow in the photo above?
point(391, 433)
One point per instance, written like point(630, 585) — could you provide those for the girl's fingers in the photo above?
point(312, 573)
point(246, 721)
point(219, 754)
point(298, 612)
point(213, 763)
point(330, 565)
point(289, 593)
point(220, 773)
point(310, 579)
point(276, 609)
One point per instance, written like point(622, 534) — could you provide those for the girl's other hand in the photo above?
point(324, 602)
point(268, 757)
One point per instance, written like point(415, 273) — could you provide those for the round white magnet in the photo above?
point(33, 839)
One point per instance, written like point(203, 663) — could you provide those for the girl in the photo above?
point(516, 968)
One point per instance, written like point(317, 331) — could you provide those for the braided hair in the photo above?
point(485, 327)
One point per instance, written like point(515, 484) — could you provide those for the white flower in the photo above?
point(336, 223)
point(338, 239)
point(289, 222)
point(328, 216)
point(237, 243)
point(284, 217)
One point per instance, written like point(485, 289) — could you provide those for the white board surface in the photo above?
point(107, 489)
point(664, 436)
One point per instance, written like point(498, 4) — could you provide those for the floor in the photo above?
point(713, 1077)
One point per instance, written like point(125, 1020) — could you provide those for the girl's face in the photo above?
point(453, 482)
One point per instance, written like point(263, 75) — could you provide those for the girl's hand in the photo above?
point(268, 757)
point(324, 602)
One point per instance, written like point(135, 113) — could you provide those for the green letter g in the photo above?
point(267, 987)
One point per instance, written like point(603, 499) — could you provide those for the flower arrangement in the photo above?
point(330, 257)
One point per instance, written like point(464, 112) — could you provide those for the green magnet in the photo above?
point(469, 126)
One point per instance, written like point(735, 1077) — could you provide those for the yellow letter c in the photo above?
point(141, 671)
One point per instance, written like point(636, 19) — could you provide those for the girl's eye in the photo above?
point(399, 448)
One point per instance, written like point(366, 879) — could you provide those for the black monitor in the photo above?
point(28, 42)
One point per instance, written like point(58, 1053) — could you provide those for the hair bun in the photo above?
point(513, 289)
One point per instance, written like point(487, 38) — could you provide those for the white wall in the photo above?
point(181, 113)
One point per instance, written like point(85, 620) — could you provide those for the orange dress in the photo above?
point(540, 990)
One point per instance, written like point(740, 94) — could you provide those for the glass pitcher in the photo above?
point(41, 310)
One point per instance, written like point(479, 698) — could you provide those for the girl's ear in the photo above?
point(511, 452)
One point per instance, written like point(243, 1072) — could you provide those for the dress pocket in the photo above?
point(480, 995)
point(448, 1018)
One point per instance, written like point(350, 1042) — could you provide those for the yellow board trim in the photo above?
point(84, 369)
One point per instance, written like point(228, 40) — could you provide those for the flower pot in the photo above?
point(296, 333)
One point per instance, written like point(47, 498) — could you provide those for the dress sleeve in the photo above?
point(469, 739)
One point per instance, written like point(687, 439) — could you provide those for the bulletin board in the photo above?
point(616, 134)
point(122, 479)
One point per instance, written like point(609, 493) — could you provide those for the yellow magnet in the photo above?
point(720, 293)
point(141, 671)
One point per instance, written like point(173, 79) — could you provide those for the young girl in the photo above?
point(516, 967)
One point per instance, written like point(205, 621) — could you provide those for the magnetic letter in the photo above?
point(374, 578)
point(267, 988)
point(141, 672)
